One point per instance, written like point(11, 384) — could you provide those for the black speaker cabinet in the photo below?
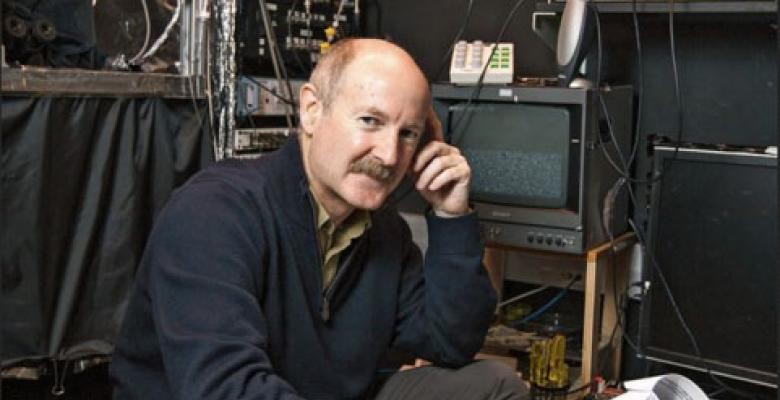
point(713, 232)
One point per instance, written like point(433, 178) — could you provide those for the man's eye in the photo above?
point(369, 121)
point(409, 135)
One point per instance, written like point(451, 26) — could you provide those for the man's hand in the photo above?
point(443, 175)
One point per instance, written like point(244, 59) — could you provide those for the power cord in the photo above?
point(607, 219)
point(455, 139)
point(148, 24)
point(163, 36)
point(676, 77)
point(457, 38)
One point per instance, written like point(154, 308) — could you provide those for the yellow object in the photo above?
point(559, 371)
point(330, 33)
point(540, 356)
point(324, 47)
point(548, 366)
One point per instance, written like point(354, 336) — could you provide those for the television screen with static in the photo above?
point(510, 164)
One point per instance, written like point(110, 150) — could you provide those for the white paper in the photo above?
point(662, 387)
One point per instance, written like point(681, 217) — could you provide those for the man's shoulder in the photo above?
point(222, 182)
point(237, 173)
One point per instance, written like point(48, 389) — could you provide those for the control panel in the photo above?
point(301, 29)
point(261, 96)
point(469, 59)
point(252, 142)
point(534, 237)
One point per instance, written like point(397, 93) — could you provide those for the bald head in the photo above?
point(330, 70)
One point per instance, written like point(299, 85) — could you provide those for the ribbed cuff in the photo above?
point(458, 234)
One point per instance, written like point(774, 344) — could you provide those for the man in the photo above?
point(288, 277)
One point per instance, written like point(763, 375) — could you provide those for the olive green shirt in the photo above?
point(334, 240)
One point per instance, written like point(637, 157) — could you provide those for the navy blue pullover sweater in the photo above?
point(228, 300)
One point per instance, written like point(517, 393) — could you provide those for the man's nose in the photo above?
point(386, 147)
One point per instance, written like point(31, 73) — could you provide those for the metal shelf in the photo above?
point(704, 7)
point(78, 82)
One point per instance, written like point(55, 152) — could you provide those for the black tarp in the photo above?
point(68, 39)
point(82, 179)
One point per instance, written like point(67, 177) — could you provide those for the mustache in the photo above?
point(371, 166)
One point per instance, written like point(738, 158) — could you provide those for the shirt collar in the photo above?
point(356, 223)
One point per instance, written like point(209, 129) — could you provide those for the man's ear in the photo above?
point(309, 108)
point(433, 128)
point(433, 131)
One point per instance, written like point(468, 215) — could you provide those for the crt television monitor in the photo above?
point(713, 232)
point(539, 174)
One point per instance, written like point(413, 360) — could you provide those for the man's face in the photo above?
point(363, 143)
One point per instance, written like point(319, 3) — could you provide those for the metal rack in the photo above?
point(610, 6)
point(55, 81)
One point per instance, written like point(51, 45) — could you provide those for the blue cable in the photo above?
point(541, 310)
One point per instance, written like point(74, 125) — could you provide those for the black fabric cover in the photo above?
point(82, 179)
point(73, 44)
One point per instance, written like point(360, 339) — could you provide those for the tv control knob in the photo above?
point(559, 242)
point(530, 238)
point(548, 241)
point(539, 239)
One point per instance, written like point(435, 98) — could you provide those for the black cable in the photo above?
point(283, 68)
point(273, 45)
point(618, 300)
point(678, 96)
point(294, 51)
point(640, 82)
point(446, 57)
point(625, 172)
point(676, 77)
point(579, 389)
point(625, 169)
point(456, 138)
